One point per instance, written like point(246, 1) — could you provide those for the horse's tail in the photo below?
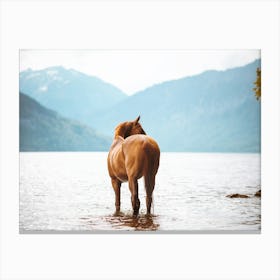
point(149, 180)
point(152, 154)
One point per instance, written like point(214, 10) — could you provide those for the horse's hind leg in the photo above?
point(149, 186)
point(117, 186)
point(133, 187)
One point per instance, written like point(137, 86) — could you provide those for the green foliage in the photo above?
point(257, 83)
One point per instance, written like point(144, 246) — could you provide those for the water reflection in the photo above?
point(193, 200)
point(141, 222)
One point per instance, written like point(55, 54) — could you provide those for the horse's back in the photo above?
point(141, 144)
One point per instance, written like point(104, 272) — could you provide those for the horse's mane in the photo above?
point(126, 129)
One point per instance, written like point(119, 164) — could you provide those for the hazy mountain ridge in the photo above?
point(215, 111)
point(73, 94)
point(42, 129)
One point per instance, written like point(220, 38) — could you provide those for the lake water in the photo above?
point(72, 192)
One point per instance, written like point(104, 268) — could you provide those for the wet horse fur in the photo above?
point(133, 155)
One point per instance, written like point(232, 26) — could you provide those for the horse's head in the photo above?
point(126, 129)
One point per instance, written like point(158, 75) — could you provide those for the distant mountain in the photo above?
point(42, 129)
point(215, 111)
point(71, 93)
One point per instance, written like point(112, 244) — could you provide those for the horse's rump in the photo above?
point(141, 154)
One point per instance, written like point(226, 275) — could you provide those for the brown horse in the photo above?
point(133, 155)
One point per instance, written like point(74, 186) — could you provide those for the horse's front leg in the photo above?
point(133, 187)
point(117, 188)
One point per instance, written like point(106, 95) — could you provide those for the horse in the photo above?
point(133, 155)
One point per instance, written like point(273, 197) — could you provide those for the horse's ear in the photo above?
point(137, 120)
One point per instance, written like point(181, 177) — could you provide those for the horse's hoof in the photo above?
point(135, 214)
point(118, 213)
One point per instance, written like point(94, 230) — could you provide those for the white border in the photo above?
point(139, 25)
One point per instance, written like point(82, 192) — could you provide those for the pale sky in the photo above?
point(134, 70)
